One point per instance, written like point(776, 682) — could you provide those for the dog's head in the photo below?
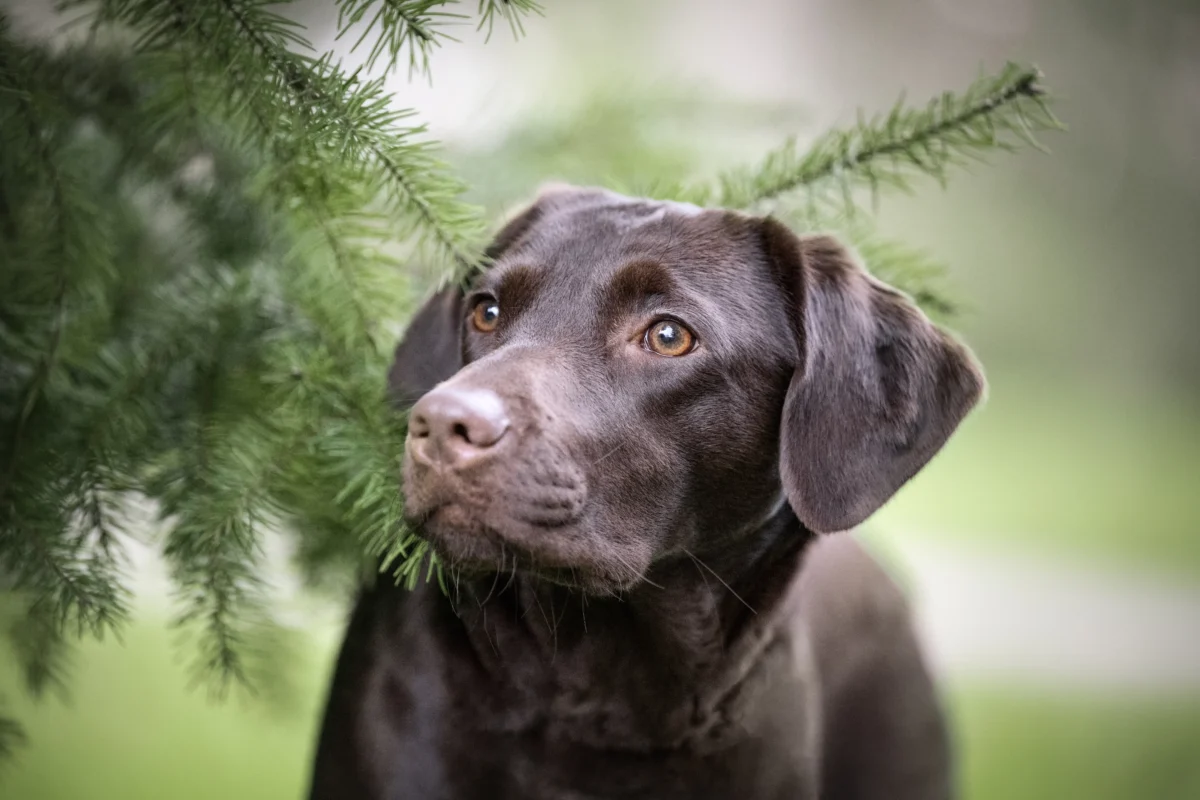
point(631, 379)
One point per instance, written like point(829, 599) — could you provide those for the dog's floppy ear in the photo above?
point(878, 389)
point(431, 350)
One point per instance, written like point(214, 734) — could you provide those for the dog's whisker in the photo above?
point(722, 580)
point(699, 571)
point(495, 577)
point(537, 599)
point(583, 598)
point(512, 576)
point(635, 573)
point(487, 634)
point(562, 614)
point(554, 629)
point(649, 582)
point(620, 444)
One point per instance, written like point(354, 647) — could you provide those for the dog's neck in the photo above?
point(645, 669)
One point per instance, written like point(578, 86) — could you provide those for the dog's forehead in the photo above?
point(625, 211)
point(585, 241)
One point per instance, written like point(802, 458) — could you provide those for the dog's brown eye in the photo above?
point(486, 315)
point(669, 338)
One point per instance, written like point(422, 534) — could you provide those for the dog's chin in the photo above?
point(472, 547)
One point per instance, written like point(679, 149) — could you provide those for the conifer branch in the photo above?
point(214, 547)
point(67, 574)
point(56, 246)
point(510, 10)
point(354, 120)
point(341, 259)
point(36, 385)
point(417, 26)
point(890, 150)
point(413, 25)
point(42, 652)
point(358, 451)
point(215, 491)
point(22, 87)
point(12, 737)
point(291, 97)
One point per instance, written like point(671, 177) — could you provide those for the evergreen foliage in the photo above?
point(206, 233)
point(889, 150)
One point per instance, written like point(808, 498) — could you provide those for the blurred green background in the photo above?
point(1053, 549)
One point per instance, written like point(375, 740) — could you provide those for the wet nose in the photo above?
point(455, 426)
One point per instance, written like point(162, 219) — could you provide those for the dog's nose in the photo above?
point(454, 426)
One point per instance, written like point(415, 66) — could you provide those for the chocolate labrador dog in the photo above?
point(635, 439)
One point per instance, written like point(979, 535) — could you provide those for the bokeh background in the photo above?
point(1053, 548)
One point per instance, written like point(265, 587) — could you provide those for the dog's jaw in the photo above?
point(676, 660)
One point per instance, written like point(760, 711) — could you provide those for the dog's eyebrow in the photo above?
point(518, 286)
point(636, 280)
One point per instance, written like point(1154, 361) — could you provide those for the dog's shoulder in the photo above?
point(846, 597)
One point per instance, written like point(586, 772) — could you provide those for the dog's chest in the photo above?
point(497, 718)
point(534, 767)
point(757, 741)
point(747, 771)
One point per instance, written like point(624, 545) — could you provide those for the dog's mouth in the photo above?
point(515, 522)
point(471, 546)
point(515, 505)
point(471, 543)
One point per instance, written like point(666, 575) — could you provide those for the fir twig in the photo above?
point(418, 26)
point(214, 550)
point(359, 125)
point(41, 651)
point(24, 74)
point(55, 249)
point(412, 25)
point(12, 737)
point(890, 150)
point(510, 10)
point(290, 97)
